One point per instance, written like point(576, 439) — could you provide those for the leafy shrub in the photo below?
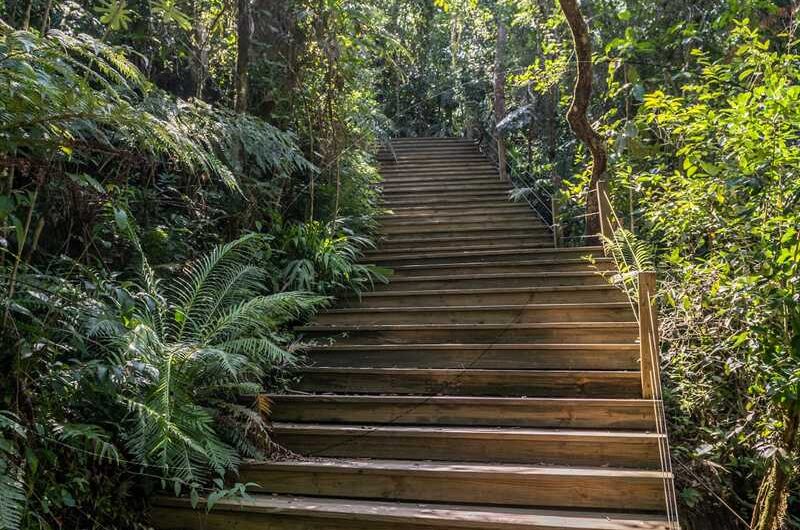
point(721, 188)
point(324, 258)
point(191, 348)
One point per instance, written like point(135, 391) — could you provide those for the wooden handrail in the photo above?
point(502, 164)
point(648, 335)
point(604, 210)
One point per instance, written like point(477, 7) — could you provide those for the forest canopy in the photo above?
point(183, 181)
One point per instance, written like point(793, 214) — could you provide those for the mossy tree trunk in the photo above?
point(770, 507)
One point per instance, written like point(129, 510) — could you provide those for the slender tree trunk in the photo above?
point(770, 508)
point(46, 17)
point(199, 62)
point(244, 30)
point(500, 93)
point(26, 21)
point(577, 113)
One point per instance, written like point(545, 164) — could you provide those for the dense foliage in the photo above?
point(156, 247)
point(718, 173)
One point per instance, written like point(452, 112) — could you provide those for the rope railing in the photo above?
point(539, 199)
point(643, 300)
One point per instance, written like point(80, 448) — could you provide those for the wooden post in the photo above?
point(556, 212)
point(648, 334)
point(604, 209)
point(501, 158)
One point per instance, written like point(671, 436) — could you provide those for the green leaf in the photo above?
point(114, 14)
point(121, 218)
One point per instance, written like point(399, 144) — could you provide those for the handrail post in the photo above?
point(648, 334)
point(501, 158)
point(604, 209)
point(555, 212)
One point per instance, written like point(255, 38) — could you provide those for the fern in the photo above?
point(631, 256)
point(12, 489)
point(325, 259)
point(217, 339)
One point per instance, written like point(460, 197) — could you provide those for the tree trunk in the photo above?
point(244, 30)
point(199, 61)
point(770, 507)
point(577, 113)
point(46, 17)
point(500, 94)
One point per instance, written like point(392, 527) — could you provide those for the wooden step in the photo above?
point(472, 382)
point(442, 166)
point(504, 267)
point(496, 314)
point(509, 222)
point(451, 144)
point(572, 413)
point(455, 150)
point(633, 449)
point(459, 482)
point(472, 243)
point(429, 170)
point(471, 215)
point(485, 256)
point(406, 243)
point(492, 296)
point(491, 281)
point(418, 198)
point(522, 214)
point(408, 233)
point(573, 332)
point(523, 356)
point(482, 207)
point(391, 192)
point(419, 157)
point(436, 142)
point(403, 180)
point(453, 198)
point(399, 189)
point(261, 512)
point(531, 225)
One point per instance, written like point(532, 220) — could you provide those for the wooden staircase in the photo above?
point(493, 384)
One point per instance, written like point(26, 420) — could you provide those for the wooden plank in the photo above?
point(530, 226)
point(528, 219)
point(480, 314)
point(485, 484)
point(492, 280)
point(260, 512)
point(648, 335)
point(480, 356)
point(471, 382)
point(483, 256)
point(503, 267)
point(392, 189)
point(386, 252)
point(475, 242)
point(630, 449)
point(555, 332)
point(573, 413)
point(470, 214)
